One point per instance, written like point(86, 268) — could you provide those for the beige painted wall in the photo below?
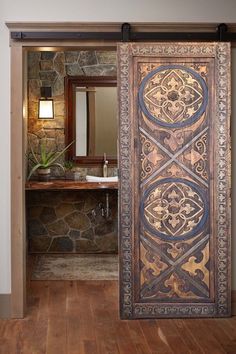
point(79, 10)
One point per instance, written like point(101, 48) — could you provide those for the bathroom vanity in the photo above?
point(65, 216)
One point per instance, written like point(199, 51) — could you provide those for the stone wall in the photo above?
point(71, 221)
point(49, 69)
point(66, 221)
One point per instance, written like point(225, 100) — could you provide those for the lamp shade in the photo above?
point(46, 109)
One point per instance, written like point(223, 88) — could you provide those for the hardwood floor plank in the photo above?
point(228, 326)
point(87, 330)
point(8, 346)
point(3, 324)
point(157, 341)
point(57, 331)
point(34, 328)
point(138, 338)
point(204, 337)
point(227, 339)
point(73, 324)
point(169, 331)
point(103, 321)
point(141, 348)
point(123, 338)
point(57, 336)
point(106, 339)
point(42, 290)
point(187, 336)
point(79, 318)
point(90, 347)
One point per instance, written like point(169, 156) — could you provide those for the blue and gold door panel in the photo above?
point(174, 180)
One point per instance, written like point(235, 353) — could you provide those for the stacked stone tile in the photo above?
point(49, 69)
point(71, 222)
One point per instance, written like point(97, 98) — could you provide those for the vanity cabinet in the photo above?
point(69, 217)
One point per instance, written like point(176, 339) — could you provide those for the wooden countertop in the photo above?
point(60, 184)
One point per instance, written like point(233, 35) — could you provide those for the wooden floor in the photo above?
point(82, 317)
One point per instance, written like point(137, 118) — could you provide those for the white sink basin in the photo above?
point(101, 179)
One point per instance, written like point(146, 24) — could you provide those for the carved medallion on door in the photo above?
point(175, 175)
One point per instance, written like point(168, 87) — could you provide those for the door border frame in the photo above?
point(18, 118)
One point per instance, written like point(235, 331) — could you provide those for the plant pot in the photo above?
point(44, 173)
point(72, 175)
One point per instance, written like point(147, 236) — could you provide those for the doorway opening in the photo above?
point(72, 227)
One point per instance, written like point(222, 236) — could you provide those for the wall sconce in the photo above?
point(46, 109)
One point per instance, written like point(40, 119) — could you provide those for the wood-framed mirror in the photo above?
point(91, 111)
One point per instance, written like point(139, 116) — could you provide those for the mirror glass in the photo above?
point(91, 104)
point(96, 121)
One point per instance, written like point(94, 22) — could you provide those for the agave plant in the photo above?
point(46, 159)
point(69, 165)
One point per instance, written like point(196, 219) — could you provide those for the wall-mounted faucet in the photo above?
point(105, 210)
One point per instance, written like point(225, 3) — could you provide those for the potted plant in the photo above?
point(45, 161)
point(70, 170)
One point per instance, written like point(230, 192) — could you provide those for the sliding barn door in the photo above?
point(174, 161)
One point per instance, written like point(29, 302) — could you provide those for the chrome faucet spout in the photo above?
point(105, 166)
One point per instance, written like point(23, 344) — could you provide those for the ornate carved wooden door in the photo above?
point(174, 179)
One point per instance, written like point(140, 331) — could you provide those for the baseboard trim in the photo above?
point(5, 305)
